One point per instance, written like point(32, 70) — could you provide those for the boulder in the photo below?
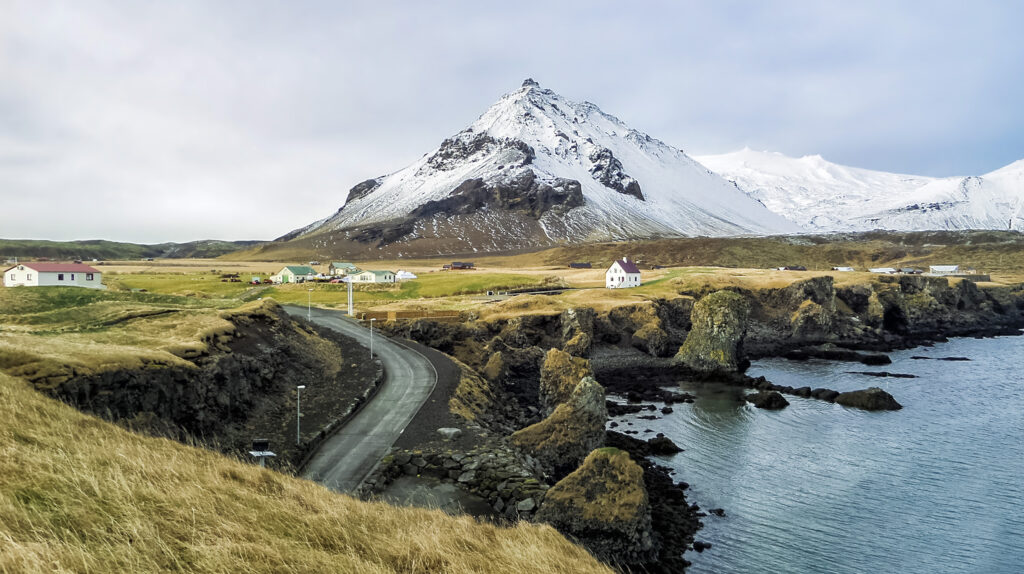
point(652, 339)
point(449, 433)
point(871, 399)
point(576, 427)
point(663, 445)
point(605, 506)
point(771, 400)
point(715, 341)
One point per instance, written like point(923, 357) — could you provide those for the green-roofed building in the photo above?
point(294, 274)
point(374, 277)
point(341, 268)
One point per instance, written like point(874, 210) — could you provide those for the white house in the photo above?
point(373, 277)
point(623, 273)
point(294, 274)
point(943, 269)
point(341, 268)
point(402, 275)
point(53, 275)
point(841, 268)
point(883, 270)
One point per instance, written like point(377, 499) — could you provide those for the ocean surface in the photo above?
point(818, 488)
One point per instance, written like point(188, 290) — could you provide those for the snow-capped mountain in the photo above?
point(537, 169)
point(822, 196)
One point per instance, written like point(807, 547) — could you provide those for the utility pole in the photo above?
point(371, 338)
point(309, 305)
point(298, 414)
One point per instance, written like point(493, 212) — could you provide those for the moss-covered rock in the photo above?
point(605, 506)
point(559, 375)
point(652, 339)
point(576, 427)
point(715, 341)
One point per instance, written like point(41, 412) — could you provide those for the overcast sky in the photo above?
point(172, 121)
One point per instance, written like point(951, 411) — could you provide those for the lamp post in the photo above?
point(371, 338)
point(298, 414)
point(309, 305)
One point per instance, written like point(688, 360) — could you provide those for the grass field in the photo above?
point(81, 495)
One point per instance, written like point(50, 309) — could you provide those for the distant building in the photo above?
point(842, 268)
point(341, 268)
point(53, 275)
point(404, 275)
point(462, 265)
point(883, 270)
point(294, 274)
point(792, 268)
point(373, 277)
point(910, 271)
point(580, 266)
point(622, 274)
point(943, 269)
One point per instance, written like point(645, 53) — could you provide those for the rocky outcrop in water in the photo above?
point(715, 342)
point(769, 400)
point(871, 399)
point(605, 506)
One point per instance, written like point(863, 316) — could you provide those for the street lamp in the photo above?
point(309, 305)
point(298, 414)
point(371, 338)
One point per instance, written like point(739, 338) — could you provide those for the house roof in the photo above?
point(344, 264)
point(379, 273)
point(944, 267)
point(58, 267)
point(627, 266)
point(300, 269)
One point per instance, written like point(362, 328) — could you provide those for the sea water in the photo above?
point(819, 488)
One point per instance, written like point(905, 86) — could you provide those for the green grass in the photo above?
point(427, 286)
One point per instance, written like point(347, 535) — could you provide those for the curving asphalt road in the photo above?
point(345, 459)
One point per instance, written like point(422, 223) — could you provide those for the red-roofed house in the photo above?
point(622, 273)
point(53, 275)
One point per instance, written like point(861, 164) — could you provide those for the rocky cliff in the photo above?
point(604, 504)
point(236, 386)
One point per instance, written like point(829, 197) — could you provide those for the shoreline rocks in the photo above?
point(870, 399)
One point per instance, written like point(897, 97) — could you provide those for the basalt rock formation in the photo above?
point(715, 343)
point(576, 427)
point(604, 504)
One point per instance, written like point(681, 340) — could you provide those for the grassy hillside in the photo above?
point(989, 251)
point(100, 249)
point(81, 495)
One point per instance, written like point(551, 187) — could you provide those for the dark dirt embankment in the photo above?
point(243, 387)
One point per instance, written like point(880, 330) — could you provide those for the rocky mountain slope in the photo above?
point(537, 169)
point(822, 196)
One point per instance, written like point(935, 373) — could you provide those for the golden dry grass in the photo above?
point(81, 495)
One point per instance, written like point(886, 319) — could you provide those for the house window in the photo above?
point(28, 277)
point(88, 276)
point(72, 276)
point(60, 277)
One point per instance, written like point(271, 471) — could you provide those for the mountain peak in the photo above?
point(538, 169)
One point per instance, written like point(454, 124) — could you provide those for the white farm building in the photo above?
point(53, 275)
point(623, 273)
point(373, 277)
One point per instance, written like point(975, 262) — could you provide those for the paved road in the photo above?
point(343, 461)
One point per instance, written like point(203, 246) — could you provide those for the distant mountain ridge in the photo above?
point(819, 195)
point(101, 249)
point(535, 170)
